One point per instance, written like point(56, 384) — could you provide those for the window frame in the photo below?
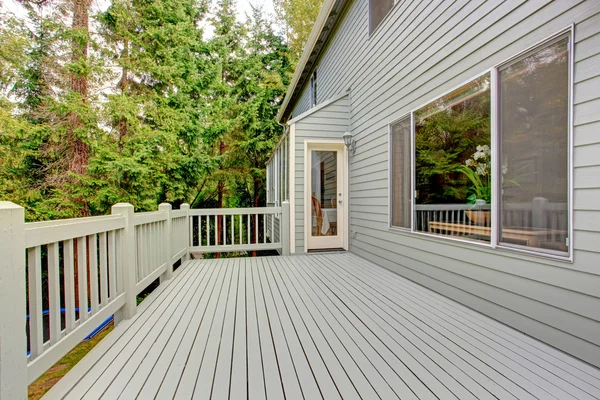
point(494, 243)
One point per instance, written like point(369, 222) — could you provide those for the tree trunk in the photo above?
point(123, 84)
point(78, 154)
point(221, 186)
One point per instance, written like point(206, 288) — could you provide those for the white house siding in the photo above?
point(422, 49)
point(329, 122)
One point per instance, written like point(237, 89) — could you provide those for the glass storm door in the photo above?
point(326, 201)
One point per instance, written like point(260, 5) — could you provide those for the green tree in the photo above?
point(298, 18)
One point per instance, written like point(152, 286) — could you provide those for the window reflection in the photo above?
point(534, 105)
point(453, 163)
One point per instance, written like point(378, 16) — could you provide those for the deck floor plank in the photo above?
point(283, 329)
point(369, 364)
point(434, 376)
point(523, 366)
point(278, 368)
point(552, 380)
point(546, 354)
point(402, 380)
point(153, 368)
point(142, 323)
point(164, 384)
point(143, 358)
point(196, 358)
point(349, 379)
point(321, 375)
point(307, 327)
point(256, 378)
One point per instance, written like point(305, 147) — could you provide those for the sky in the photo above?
point(243, 6)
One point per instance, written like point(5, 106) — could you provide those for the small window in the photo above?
point(313, 89)
point(378, 9)
point(401, 161)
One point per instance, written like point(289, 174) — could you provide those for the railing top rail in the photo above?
point(40, 233)
point(149, 217)
point(450, 207)
point(179, 213)
point(235, 211)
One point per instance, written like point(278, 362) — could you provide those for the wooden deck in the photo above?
point(322, 326)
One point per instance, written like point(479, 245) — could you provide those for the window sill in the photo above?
point(500, 250)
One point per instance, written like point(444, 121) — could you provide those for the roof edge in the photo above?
point(308, 49)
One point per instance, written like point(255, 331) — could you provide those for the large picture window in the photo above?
point(503, 138)
point(452, 163)
point(534, 126)
point(400, 175)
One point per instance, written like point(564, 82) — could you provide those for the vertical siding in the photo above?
point(329, 122)
point(422, 49)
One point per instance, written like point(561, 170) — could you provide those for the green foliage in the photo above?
point(169, 115)
point(444, 141)
point(298, 18)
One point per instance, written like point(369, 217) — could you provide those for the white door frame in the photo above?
point(307, 194)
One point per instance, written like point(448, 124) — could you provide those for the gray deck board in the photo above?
point(307, 327)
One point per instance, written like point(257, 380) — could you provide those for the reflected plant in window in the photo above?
point(477, 170)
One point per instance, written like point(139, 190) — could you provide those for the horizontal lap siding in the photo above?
point(330, 122)
point(422, 49)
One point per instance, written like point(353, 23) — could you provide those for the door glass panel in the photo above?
point(324, 193)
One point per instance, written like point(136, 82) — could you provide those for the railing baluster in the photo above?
point(232, 229)
point(69, 274)
point(240, 228)
point(273, 229)
point(256, 228)
point(207, 230)
point(103, 270)
point(93, 272)
point(224, 219)
point(248, 226)
point(139, 238)
point(54, 292)
point(216, 231)
point(36, 325)
point(200, 236)
point(112, 266)
point(82, 274)
point(264, 228)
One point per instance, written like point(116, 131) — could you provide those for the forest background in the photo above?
point(145, 101)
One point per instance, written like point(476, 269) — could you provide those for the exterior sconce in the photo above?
point(349, 142)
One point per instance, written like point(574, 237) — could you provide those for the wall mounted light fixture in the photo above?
point(349, 142)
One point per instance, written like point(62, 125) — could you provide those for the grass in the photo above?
point(45, 382)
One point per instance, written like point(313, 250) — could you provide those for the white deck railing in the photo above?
point(239, 229)
point(60, 280)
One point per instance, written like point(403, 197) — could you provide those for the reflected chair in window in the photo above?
point(318, 214)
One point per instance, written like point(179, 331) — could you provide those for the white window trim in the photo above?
point(494, 141)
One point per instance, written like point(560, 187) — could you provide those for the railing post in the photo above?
point(13, 345)
point(128, 262)
point(186, 207)
point(284, 232)
point(167, 240)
